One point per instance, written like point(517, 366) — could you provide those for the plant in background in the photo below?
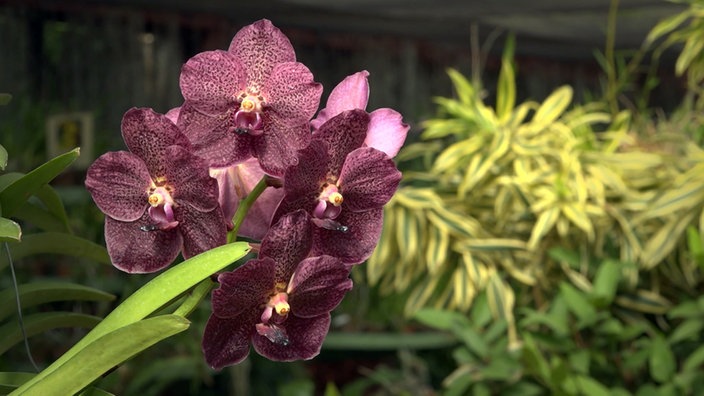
point(171, 192)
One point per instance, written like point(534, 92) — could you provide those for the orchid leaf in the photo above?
point(104, 353)
point(155, 294)
point(9, 230)
point(56, 243)
point(9, 380)
point(11, 333)
point(40, 292)
point(14, 196)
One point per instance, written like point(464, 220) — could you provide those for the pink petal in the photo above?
point(201, 231)
point(211, 81)
point(343, 134)
point(189, 176)
point(119, 183)
point(351, 93)
point(259, 47)
point(278, 146)
point(387, 132)
point(288, 243)
point(244, 288)
point(357, 243)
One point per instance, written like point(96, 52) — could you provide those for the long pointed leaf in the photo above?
point(155, 294)
point(14, 196)
point(105, 353)
point(56, 243)
point(11, 334)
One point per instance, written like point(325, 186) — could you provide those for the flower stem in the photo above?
point(244, 206)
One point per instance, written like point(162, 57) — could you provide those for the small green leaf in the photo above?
point(689, 329)
point(606, 282)
point(9, 230)
point(56, 243)
point(3, 157)
point(11, 334)
point(5, 98)
point(662, 360)
point(104, 353)
point(695, 361)
point(158, 292)
point(578, 304)
point(41, 292)
point(15, 195)
point(440, 319)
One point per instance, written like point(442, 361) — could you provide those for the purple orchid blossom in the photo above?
point(252, 100)
point(158, 198)
point(386, 131)
point(344, 186)
point(280, 302)
point(235, 182)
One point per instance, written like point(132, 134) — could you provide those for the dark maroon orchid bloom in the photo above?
point(252, 100)
point(280, 302)
point(386, 131)
point(344, 186)
point(158, 198)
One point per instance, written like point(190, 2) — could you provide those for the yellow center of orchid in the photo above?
point(156, 200)
point(335, 198)
point(248, 105)
point(282, 308)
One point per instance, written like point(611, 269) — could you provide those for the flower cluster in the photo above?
point(247, 115)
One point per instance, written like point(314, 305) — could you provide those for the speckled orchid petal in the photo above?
point(343, 133)
point(351, 93)
point(210, 81)
point(173, 114)
point(226, 341)
point(305, 338)
point(387, 131)
point(136, 251)
point(245, 287)
point(277, 148)
point(318, 286)
point(201, 230)
point(147, 134)
point(294, 95)
point(259, 47)
point(369, 178)
point(357, 243)
point(189, 174)
point(119, 183)
point(287, 243)
point(214, 138)
point(302, 181)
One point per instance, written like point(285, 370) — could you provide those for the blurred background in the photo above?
point(74, 67)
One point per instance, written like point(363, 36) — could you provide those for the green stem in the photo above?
point(194, 298)
point(245, 204)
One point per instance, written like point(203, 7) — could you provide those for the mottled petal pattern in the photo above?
point(343, 133)
point(276, 148)
point(226, 341)
point(294, 95)
point(210, 81)
point(305, 338)
point(287, 243)
point(246, 287)
point(355, 245)
point(201, 230)
point(369, 179)
point(136, 251)
point(260, 46)
point(318, 286)
point(191, 179)
point(119, 183)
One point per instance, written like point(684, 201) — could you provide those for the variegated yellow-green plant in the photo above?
point(501, 185)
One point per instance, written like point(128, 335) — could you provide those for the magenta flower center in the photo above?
point(248, 118)
point(161, 208)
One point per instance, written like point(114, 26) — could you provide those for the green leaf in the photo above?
point(104, 353)
point(578, 304)
point(440, 319)
point(553, 106)
point(56, 243)
point(583, 385)
point(506, 86)
point(5, 98)
point(9, 230)
point(157, 293)
point(473, 341)
point(606, 282)
point(40, 292)
point(15, 195)
point(666, 26)
point(695, 360)
point(11, 334)
point(11, 380)
point(662, 360)
point(689, 329)
point(3, 157)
